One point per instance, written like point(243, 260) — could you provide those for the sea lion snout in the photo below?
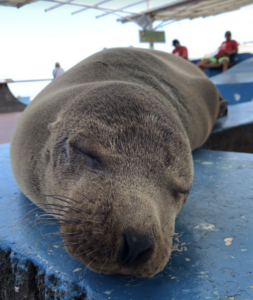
point(111, 238)
point(117, 232)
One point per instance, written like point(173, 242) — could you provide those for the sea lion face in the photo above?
point(123, 168)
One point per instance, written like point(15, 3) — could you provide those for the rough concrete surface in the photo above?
point(233, 132)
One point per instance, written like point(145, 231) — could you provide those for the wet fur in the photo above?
point(106, 148)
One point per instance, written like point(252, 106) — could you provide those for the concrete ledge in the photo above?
point(233, 132)
point(212, 257)
point(8, 103)
point(21, 279)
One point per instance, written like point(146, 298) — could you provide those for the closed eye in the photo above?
point(184, 192)
point(91, 160)
point(179, 194)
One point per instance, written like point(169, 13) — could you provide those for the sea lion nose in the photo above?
point(135, 248)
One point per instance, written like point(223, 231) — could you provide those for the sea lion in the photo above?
point(106, 149)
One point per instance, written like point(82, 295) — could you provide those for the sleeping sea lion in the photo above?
point(106, 149)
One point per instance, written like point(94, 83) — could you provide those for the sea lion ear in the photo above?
point(52, 126)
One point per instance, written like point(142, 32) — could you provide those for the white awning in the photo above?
point(173, 10)
point(15, 3)
point(189, 9)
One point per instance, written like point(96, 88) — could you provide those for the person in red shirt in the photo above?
point(179, 50)
point(226, 49)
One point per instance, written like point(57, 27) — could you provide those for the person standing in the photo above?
point(179, 50)
point(226, 49)
point(58, 71)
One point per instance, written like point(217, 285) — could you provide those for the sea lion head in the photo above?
point(121, 161)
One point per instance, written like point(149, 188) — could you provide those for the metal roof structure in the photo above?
point(189, 9)
point(16, 3)
point(172, 11)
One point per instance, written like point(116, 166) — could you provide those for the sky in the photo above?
point(32, 40)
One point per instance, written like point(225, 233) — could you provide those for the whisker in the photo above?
point(68, 259)
point(72, 243)
point(51, 215)
point(61, 206)
point(25, 227)
point(79, 254)
point(73, 255)
point(85, 196)
point(86, 268)
point(53, 196)
point(8, 205)
point(127, 278)
point(53, 235)
point(18, 210)
point(71, 218)
point(46, 221)
point(100, 272)
point(29, 214)
point(41, 222)
point(54, 221)
point(24, 217)
point(142, 282)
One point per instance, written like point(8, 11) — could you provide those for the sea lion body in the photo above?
point(106, 149)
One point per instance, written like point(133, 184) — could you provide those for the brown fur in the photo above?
point(113, 137)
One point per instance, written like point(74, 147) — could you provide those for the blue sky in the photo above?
point(33, 40)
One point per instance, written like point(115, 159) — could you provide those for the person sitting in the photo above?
point(57, 71)
point(226, 49)
point(179, 50)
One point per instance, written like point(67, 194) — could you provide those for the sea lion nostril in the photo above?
point(135, 248)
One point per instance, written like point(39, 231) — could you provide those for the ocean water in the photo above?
point(27, 89)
